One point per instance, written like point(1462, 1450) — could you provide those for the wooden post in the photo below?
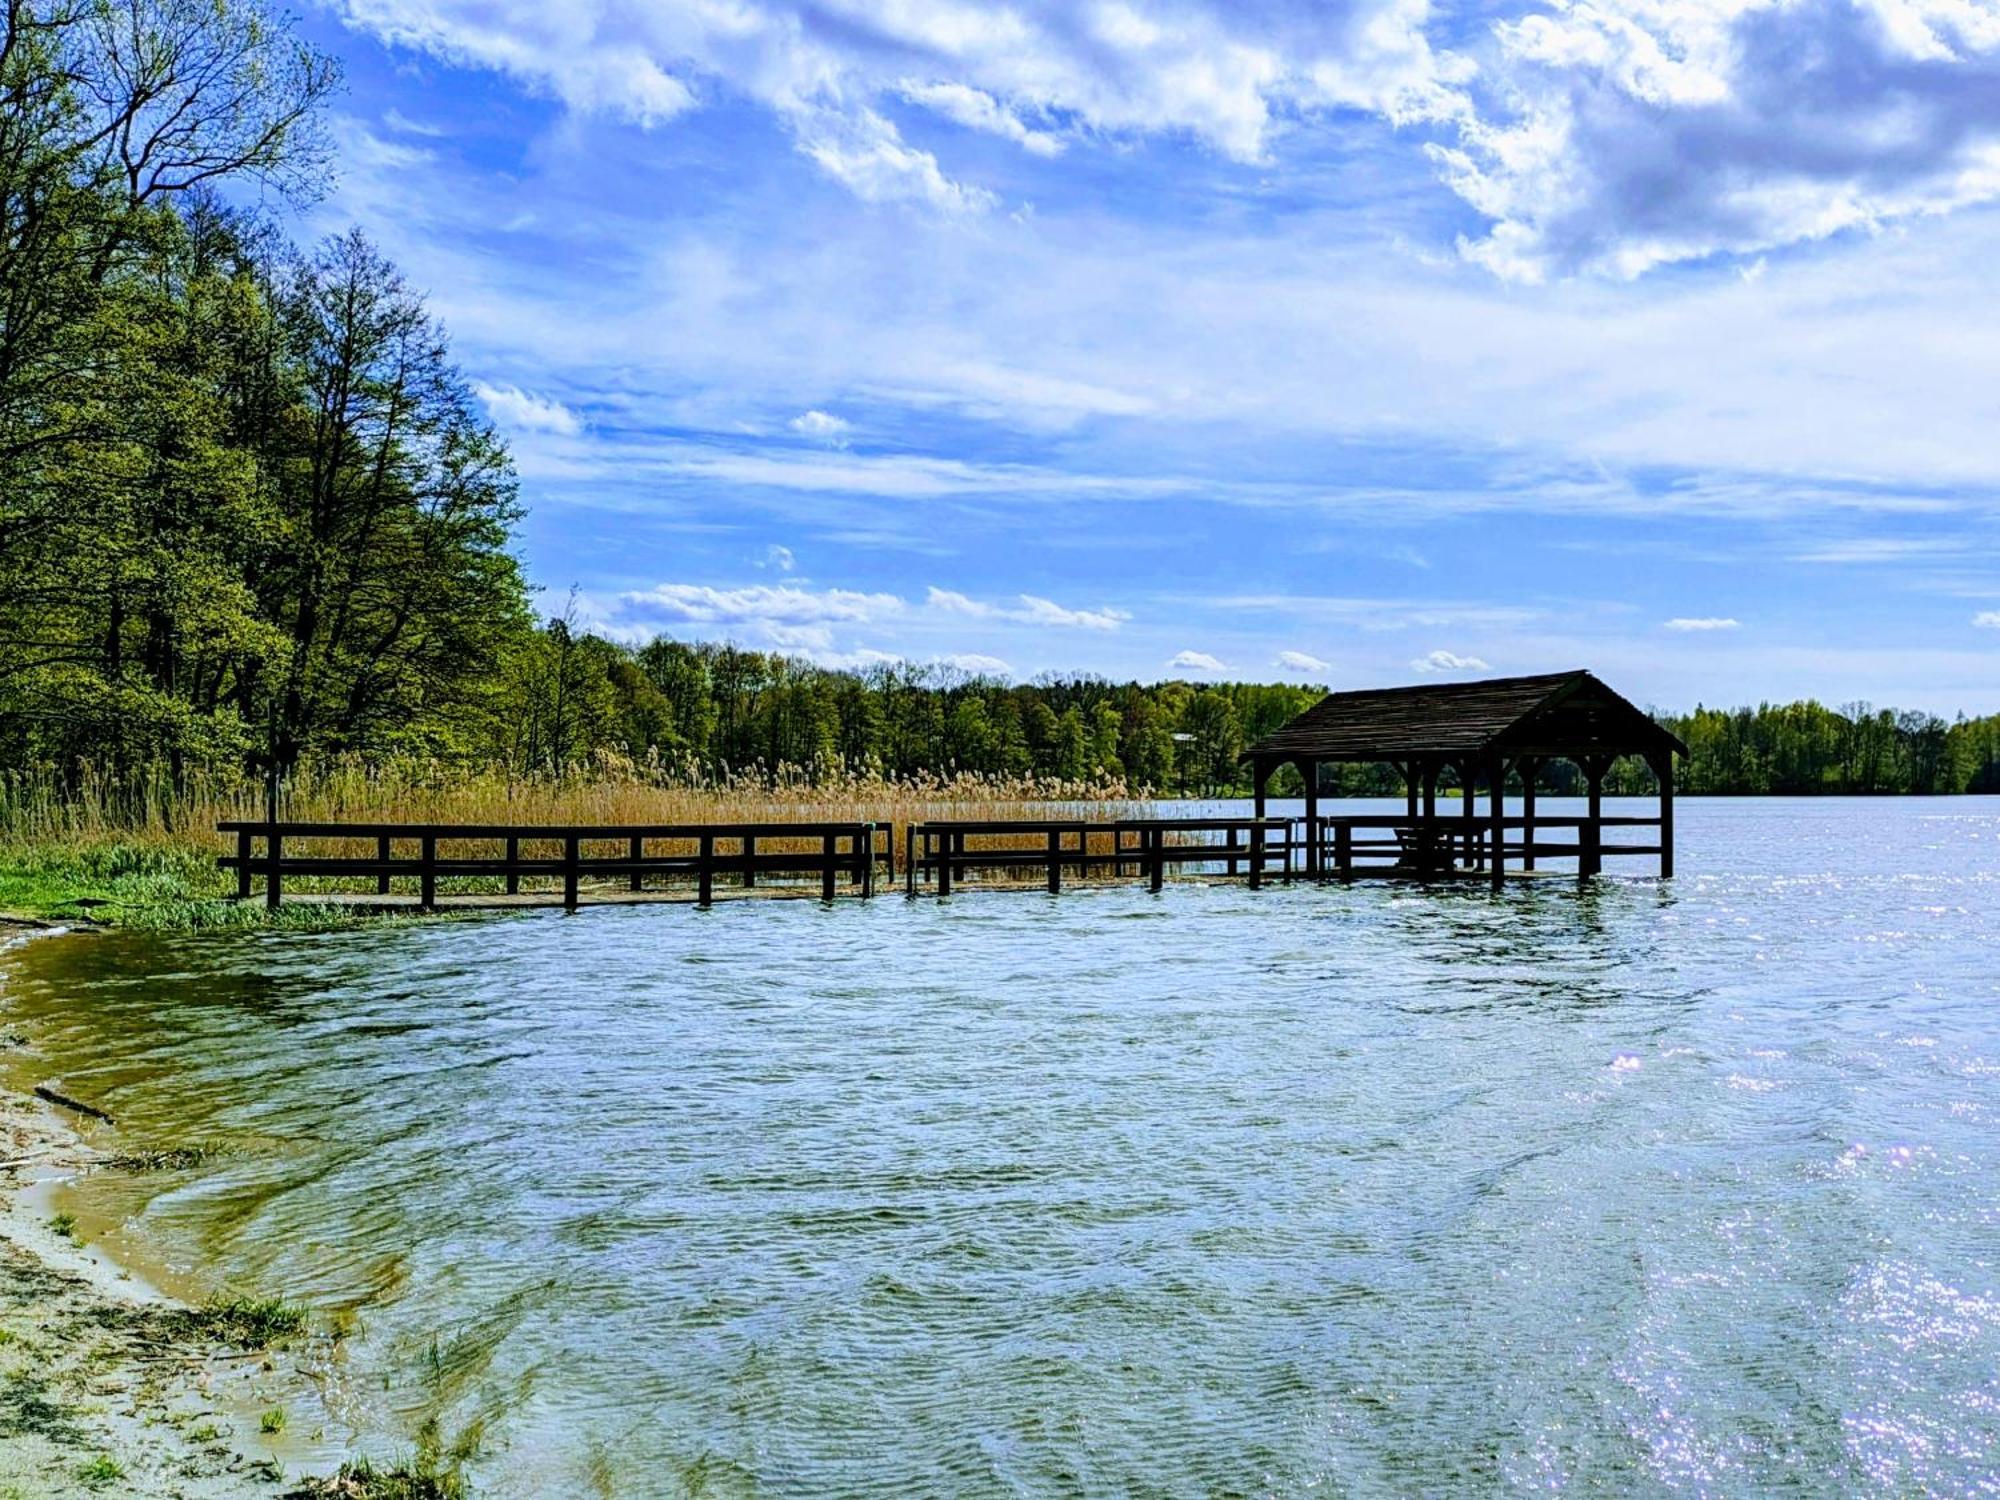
point(638, 852)
point(943, 865)
point(1158, 838)
point(569, 872)
point(1468, 792)
point(1055, 861)
point(427, 875)
point(1427, 829)
point(1343, 852)
point(1260, 779)
point(1530, 769)
point(1590, 855)
point(1310, 770)
point(704, 870)
point(910, 858)
point(867, 840)
point(828, 870)
point(513, 863)
point(1411, 771)
point(749, 860)
point(1232, 853)
point(1664, 769)
point(382, 857)
point(242, 864)
point(274, 850)
point(1256, 854)
point(1496, 852)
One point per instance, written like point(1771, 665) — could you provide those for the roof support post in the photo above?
point(1590, 838)
point(1260, 773)
point(1663, 768)
point(1531, 767)
point(1427, 830)
point(1310, 770)
point(1496, 852)
point(1468, 796)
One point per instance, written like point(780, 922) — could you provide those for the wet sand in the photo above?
point(99, 1393)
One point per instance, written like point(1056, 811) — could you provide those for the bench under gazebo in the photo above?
point(1484, 732)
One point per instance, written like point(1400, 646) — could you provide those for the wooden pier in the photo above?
point(1485, 733)
point(839, 854)
point(946, 851)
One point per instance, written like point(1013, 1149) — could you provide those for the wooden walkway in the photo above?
point(407, 866)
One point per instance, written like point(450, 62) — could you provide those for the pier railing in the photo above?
point(426, 853)
point(1354, 845)
point(947, 851)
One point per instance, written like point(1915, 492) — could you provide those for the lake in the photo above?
point(1648, 1188)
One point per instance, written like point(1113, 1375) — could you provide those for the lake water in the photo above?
point(1689, 1187)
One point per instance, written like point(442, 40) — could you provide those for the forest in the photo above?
point(251, 514)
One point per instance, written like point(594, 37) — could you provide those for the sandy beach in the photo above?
point(107, 1385)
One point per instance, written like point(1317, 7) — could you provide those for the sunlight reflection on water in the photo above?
point(1376, 1190)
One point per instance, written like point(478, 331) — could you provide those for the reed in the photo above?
point(149, 807)
point(138, 848)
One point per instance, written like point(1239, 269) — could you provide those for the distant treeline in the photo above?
point(722, 708)
point(250, 512)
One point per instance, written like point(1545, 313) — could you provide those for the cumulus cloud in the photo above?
point(1449, 661)
point(974, 662)
point(821, 426)
point(1702, 622)
point(1612, 136)
point(977, 110)
point(1196, 661)
point(788, 616)
point(1212, 70)
point(520, 411)
point(1028, 609)
point(1300, 661)
point(1987, 619)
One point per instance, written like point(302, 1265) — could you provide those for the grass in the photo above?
point(248, 1324)
point(100, 1471)
point(63, 1226)
point(140, 852)
point(166, 1159)
point(430, 1474)
point(272, 1422)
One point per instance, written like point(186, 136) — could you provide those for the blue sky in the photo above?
point(1339, 342)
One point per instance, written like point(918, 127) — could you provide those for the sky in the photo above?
point(1350, 342)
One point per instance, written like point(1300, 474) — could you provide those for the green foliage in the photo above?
point(247, 506)
point(246, 1323)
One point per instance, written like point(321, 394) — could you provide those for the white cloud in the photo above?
point(821, 426)
point(1196, 661)
point(1701, 622)
point(780, 558)
point(1449, 661)
point(976, 110)
point(1300, 661)
point(774, 608)
point(520, 411)
point(1209, 69)
point(1987, 619)
point(973, 661)
point(1029, 609)
point(1616, 135)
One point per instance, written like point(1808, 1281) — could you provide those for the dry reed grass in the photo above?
point(150, 808)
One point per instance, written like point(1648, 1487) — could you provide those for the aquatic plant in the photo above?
point(63, 1226)
point(246, 1323)
point(273, 1421)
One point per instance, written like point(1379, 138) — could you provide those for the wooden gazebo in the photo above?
point(1483, 730)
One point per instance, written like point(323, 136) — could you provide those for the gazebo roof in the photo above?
point(1556, 714)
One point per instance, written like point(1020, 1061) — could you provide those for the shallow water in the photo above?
point(1653, 1188)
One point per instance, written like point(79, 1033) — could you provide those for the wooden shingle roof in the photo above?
point(1558, 713)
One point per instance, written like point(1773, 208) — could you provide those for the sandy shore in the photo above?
point(104, 1389)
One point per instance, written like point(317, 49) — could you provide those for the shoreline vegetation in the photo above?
point(111, 1386)
point(138, 850)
